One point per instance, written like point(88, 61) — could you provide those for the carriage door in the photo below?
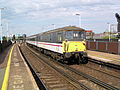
point(59, 37)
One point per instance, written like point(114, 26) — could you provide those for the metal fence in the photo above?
point(109, 47)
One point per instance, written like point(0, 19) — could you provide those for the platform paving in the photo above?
point(3, 64)
point(106, 57)
point(20, 77)
point(2, 71)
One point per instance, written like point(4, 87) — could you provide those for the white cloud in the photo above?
point(35, 6)
point(91, 11)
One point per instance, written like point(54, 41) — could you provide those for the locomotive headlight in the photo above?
point(68, 55)
point(76, 34)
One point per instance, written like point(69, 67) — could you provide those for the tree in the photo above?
point(4, 38)
point(13, 38)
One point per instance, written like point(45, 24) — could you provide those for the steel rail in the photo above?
point(68, 76)
point(102, 72)
point(114, 66)
point(39, 82)
point(62, 72)
point(99, 82)
point(96, 81)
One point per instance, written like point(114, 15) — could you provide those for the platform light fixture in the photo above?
point(1, 23)
point(53, 26)
point(79, 20)
point(109, 31)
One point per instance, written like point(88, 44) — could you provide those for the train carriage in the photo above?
point(65, 44)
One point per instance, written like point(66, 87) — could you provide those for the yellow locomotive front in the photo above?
point(75, 50)
point(74, 46)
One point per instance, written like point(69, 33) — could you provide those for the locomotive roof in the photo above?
point(68, 28)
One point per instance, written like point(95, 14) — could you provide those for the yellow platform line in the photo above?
point(5, 81)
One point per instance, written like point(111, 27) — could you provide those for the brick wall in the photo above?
point(109, 47)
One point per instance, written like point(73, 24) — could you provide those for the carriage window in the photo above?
point(82, 35)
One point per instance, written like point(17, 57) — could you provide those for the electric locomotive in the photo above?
point(66, 44)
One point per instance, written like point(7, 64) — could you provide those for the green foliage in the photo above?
point(107, 37)
point(13, 38)
point(20, 38)
point(114, 38)
point(4, 38)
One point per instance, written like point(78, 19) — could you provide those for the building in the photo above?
point(89, 34)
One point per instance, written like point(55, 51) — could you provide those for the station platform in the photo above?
point(105, 57)
point(16, 75)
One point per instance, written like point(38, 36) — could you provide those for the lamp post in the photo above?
point(79, 20)
point(109, 30)
point(7, 31)
point(53, 26)
point(1, 22)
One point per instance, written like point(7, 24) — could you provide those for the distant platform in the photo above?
point(16, 74)
point(105, 57)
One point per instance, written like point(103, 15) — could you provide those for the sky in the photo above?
point(36, 16)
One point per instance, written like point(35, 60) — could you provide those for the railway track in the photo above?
point(39, 82)
point(102, 78)
point(54, 79)
point(114, 66)
point(77, 77)
point(88, 73)
point(102, 69)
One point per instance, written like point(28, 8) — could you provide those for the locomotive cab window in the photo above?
point(82, 35)
point(79, 35)
point(69, 35)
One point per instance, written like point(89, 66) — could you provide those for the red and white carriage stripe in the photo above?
point(56, 47)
